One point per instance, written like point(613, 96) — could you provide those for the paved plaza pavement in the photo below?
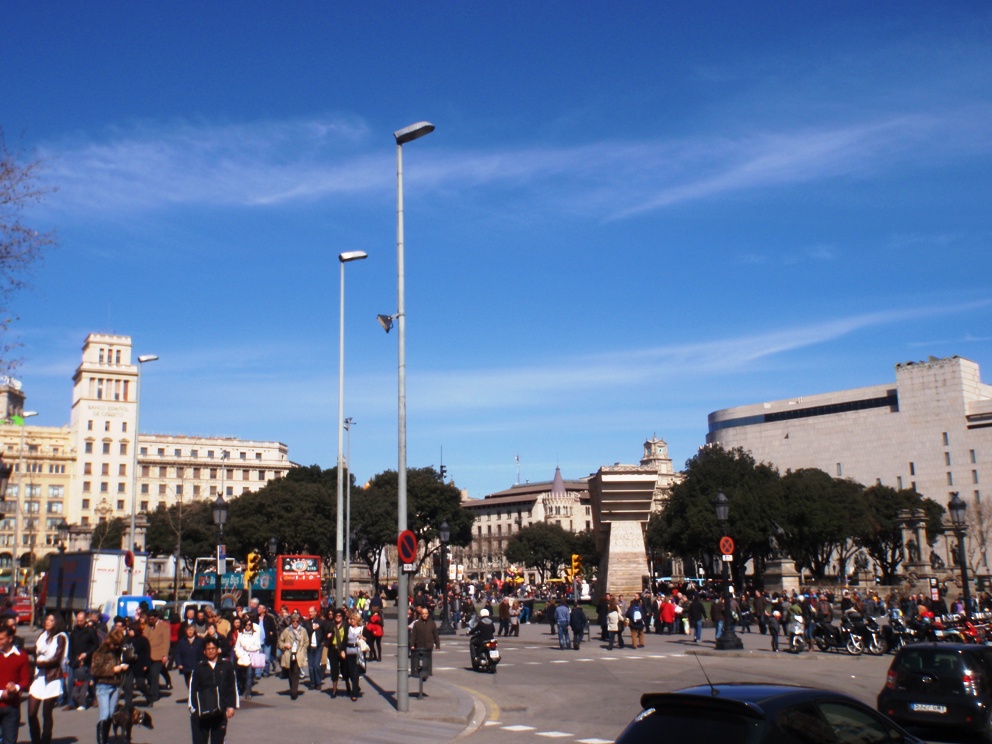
point(539, 692)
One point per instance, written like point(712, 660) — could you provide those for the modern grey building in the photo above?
point(930, 430)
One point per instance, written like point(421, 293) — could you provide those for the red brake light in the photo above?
point(890, 679)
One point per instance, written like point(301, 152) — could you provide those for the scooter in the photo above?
point(797, 635)
point(872, 638)
point(486, 658)
point(827, 636)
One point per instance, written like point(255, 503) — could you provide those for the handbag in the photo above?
point(257, 659)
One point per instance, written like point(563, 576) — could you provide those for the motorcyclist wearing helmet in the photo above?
point(483, 631)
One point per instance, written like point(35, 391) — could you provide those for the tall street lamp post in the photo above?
point(728, 638)
point(134, 464)
point(956, 506)
point(63, 535)
point(445, 534)
point(402, 136)
point(344, 258)
point(220, 519)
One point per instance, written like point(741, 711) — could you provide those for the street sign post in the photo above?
point(406, 547)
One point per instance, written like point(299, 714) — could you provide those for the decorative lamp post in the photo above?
point(728, 638)
point(273, 546)
point(63, 535)
point(348, 535)
point(220, 508)
point(957, 507)
point(445, 534)
point(402, 137)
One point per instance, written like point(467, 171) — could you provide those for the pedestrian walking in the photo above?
point(561, 622)
point(15, 677)
point(293, 642)
point(213, 696)
point(578, 622)
point(46, 687)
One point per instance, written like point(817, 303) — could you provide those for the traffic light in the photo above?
point(443, 472)
point(576, 565)
point(252, 567)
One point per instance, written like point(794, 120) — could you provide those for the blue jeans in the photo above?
point(313, 664)
point(525, 614)
point(563, 639)
point(719, 628)
point(698, 636)
point(106, 699)
point(10, 719)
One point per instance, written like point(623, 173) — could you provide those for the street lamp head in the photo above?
point(352, 256)
point(220, 511)
point(445, 532)
point(273, 545)
point(722, 504)
point(956, 506)
point(147, 358)
point(28, 414)
point(412, 132)
point(63, 531)
point(386, 321)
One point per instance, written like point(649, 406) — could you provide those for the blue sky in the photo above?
point(630, 214)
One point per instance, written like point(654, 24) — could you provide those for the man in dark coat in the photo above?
point(213, 695)
point(578, 621)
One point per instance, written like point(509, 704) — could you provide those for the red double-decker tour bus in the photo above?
point(298, 584)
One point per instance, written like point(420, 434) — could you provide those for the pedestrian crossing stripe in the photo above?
point(595, 741)
point(518, 727)
point(492, 723)
point(560, 661)
point(552, 734)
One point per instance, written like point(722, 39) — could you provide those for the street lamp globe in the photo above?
point(273, 545)
point(220, 508)
point(445, 532)
point(957, 507)
point(722, 504)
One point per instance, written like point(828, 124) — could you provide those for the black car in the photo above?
point(945, 685)
point(759, 714)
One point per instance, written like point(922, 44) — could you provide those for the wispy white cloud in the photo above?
point(275, 163)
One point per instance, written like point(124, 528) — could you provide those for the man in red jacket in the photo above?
point(15, 676)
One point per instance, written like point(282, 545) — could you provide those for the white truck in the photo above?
point(94, 580)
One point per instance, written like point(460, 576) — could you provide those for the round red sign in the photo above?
point(406, 547)
point(726, 545)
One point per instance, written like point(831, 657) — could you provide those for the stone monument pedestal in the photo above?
point(781, 576)
point(624, 563)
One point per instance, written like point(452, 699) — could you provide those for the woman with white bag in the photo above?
point(248, 655)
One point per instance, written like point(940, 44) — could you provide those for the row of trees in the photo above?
point(548, 548)
point(806, 515)
point(300, 510)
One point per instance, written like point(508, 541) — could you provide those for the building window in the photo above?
point(161, 490)
point(104, 488)
point(180, 472)
point(947, 441)
point(143, 451)
point(86, 487)
point(124, 424)
point(86, 503)
point(56, 492)
point(244, 455)
point(123, 448)
point(840, 470)
point(144, 489)
point(245, 474)
point(947, 459)
point(120, 488)
point(230, 491)
point(145, 470)
point(88, 448)
point(261, 475)
point(144, 508)
point(120, 506)
point(89, 425)
point(973, 458)
point(161, 453)
point(899, 482)
point(950, 478)
point(196, 472)
point(210, 453)
point(912, 468)
point(974, 476)
point(87, 468)
point(106, 425)
point(193, 453)
point(258, 455)
point(106, 448)
point(54, 507)
point(196, 491)
point(163, 472)
point(179, 453)
point(105, 469)
point(179, 490)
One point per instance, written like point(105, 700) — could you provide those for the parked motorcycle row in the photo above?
point(859, 634)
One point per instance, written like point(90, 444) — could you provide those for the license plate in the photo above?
point(927, 708)
point(494, 654)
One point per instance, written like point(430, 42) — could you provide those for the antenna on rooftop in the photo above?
point(517, 458)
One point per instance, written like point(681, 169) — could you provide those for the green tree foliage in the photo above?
point(429, 503)
point(820, 514)
point(187, 525)
point(542, 546)
point(687, 525)
point(108, 535)
point(584, 544)
point(881, 536)
point(300, 513)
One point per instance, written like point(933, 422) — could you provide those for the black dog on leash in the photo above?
point(125, 719)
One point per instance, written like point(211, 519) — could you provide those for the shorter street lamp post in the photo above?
point(445, 534)
point(63, 535)
point(728, 638)
point(957, 508)
point(220, 519)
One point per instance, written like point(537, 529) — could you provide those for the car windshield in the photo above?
point(690, 724)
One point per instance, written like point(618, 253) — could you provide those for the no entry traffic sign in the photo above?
point(406, 547)
point(726, 545)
